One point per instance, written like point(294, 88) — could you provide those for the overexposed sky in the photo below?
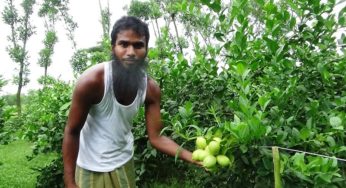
point(88, 33)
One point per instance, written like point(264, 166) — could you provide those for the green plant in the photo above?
point(272, 77)
point(51, 175)
point(46, 115)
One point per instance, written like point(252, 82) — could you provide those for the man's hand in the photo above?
point(198, 163)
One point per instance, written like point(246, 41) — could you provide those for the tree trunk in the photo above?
point(204, 39)
point(19, 90)
point(158, 29)
point(45, 71)
point(154, 28)
point(176, 32)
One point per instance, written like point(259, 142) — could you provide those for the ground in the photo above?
point(15, 168)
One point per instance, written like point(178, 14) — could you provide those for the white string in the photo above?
point(315, 154)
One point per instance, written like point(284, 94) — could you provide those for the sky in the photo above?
point(88, 33)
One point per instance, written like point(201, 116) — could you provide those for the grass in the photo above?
point(15, 169)
point(17, 172)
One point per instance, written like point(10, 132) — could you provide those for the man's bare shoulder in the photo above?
point(91, 83)
point(153, 91)
point(92, 74)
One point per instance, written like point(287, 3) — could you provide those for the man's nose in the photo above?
point(130, 51)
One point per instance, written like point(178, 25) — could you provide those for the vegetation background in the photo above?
point(256, 73)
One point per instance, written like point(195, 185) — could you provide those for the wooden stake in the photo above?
point(276, 161)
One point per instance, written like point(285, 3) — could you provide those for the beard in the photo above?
point(127, 81)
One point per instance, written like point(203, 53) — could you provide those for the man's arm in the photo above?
point(154, 125)
point(84, 96)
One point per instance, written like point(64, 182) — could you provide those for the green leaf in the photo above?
point(216, 6)
point(260, 2)
point(331, 141)
point(298, 161)
point(65, 106)
point(268, 130)
point(240, 68)
point(302, 176)
point(272, 45)
point(184, 5)
point(219, 36)
point(294, 6)
point(240, 40)
point(182, 111)
point(243, 131)
point(243, 148)
point(244, 104)
point(153, 152)
point(341, 16)
point(309, 123)
point(198, 129)
point(305, 133)
point(341, 149)
point(263, 101)
point(342, 21)
point(295, 133)
point(280, 52)
point(236, 118)
point(205, 2)
point(222, 18)
point(335, 121)
point(326, 177)
point(270, 8)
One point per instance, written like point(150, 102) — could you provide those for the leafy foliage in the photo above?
point(260, 74)
point(273, 76)
point(51, 175)
point(2, 100)
point(85, 58)
point(46, 53)
point(45, 119)
point(21, 31)
point(46, 115)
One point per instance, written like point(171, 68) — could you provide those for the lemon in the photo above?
point(201, 143)
point(223, 160)
point(214, 147)
point(209, 161)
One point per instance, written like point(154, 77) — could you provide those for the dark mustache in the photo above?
point(133, 60)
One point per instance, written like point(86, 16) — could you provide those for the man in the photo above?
point(98, 143)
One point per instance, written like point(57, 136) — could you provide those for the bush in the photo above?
point(51, 175)
point(46, 115)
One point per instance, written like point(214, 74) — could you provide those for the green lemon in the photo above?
point(209, 161)
point(217, 139)
point(218, 133)
point(201, 142)
point(223, 160)
point(195, 154)
point(206, 149)
point(202, 155)
point(214, 147)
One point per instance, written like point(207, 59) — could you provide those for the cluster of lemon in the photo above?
point(209, 153)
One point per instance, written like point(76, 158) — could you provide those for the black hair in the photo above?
point(133, 23)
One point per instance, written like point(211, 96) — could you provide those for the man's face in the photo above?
point(129, 48)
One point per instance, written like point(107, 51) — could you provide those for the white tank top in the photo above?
point(106, 140)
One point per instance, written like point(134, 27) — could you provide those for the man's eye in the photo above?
point(138, 45)
point(125, 45)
